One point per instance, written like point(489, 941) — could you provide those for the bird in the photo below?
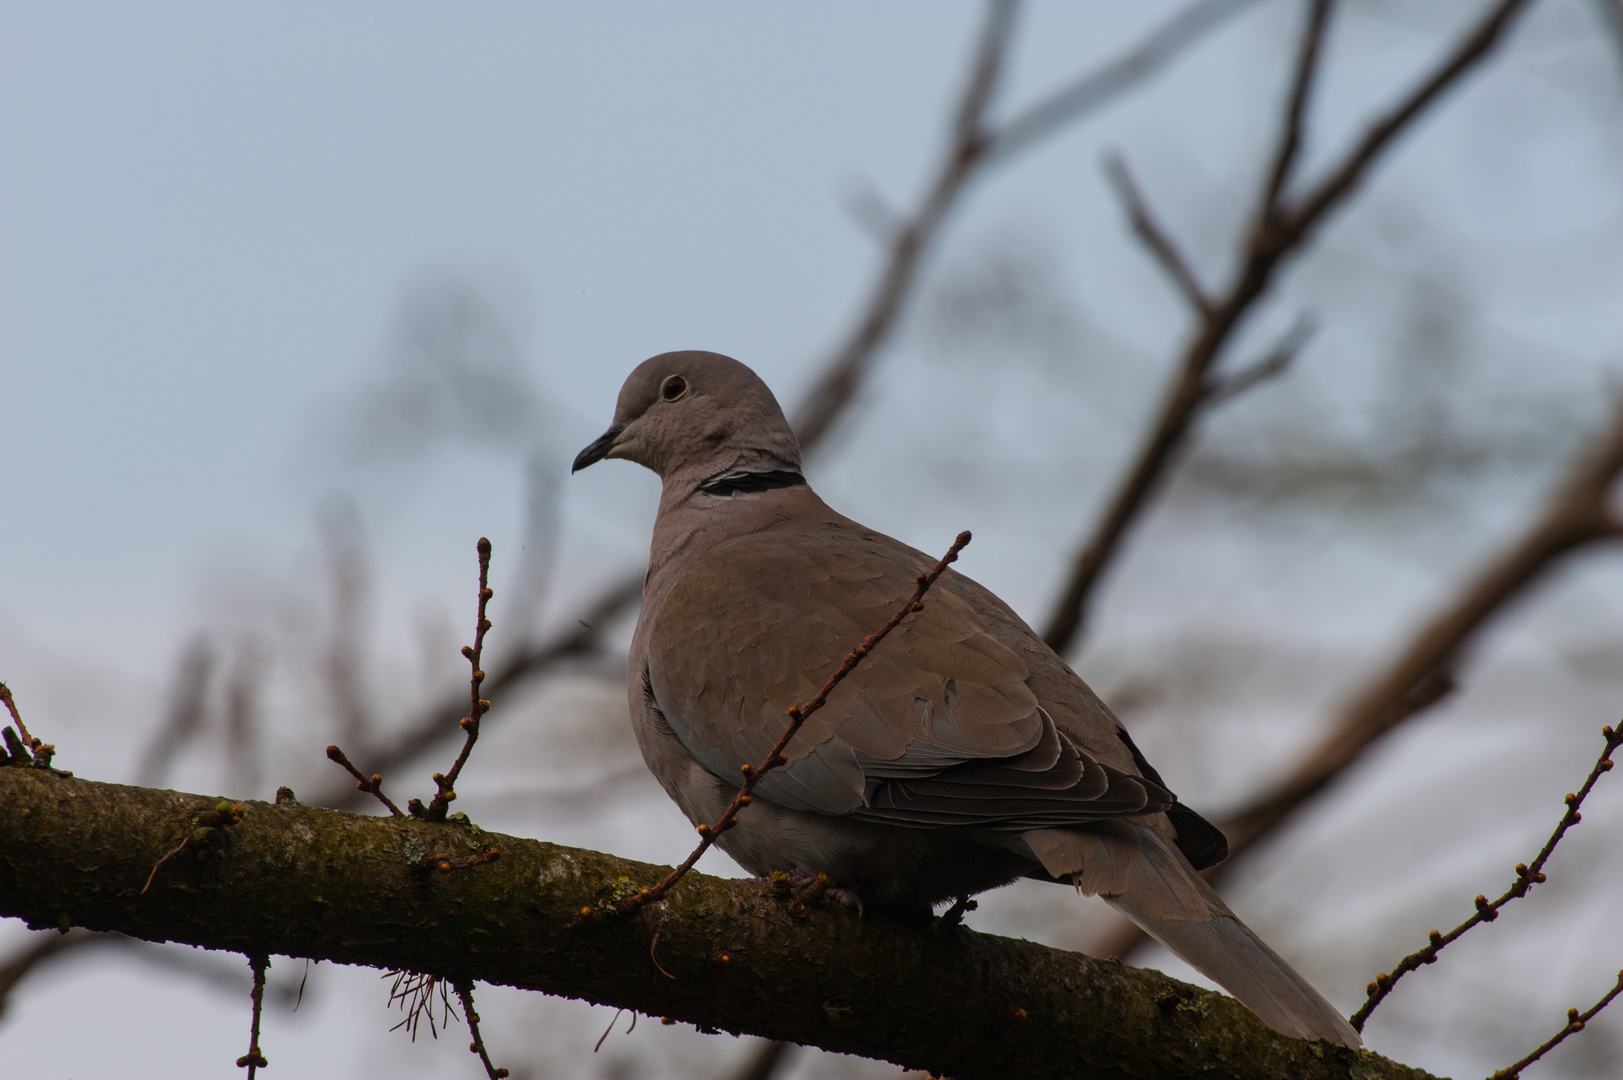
point(962, 753)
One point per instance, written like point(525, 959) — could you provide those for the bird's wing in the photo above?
point(937, 726)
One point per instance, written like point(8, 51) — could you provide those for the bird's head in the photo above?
point(696, 414)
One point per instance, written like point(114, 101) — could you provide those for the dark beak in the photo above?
point(598, 450)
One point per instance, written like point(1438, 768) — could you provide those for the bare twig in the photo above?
point(966, 150)
point(1526, 877)
point(1155, 237)
point(22, 749)
point(41, 948)
point(477, 707)
point(1310, 210)
point(254, 1060)
point(1163, 45)
point(1576, 1022)
point(186, 713)
point(242, 688)
point(798, 714)
point(1290, 140)
point(583, 639)
point(1578, 513)
point(372, 785)
point(1276, 363)
point(974, 145)
point(344, 659)
point(464, 992)
point(16, 717)
point(1279, 230)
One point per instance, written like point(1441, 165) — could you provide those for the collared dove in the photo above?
point(963, 753)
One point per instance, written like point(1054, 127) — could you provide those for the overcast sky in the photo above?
point(216, 223)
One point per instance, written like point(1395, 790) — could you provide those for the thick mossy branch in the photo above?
point(305, 882)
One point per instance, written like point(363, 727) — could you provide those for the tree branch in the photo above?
point(1163, 45)
point(1278, 231)
point(1421, 674)
point(1155, 237)
point(301, 881)
point(975, 145)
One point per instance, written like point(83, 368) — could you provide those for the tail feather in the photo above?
point(1151, 883)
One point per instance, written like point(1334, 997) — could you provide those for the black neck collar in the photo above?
point(744, 483)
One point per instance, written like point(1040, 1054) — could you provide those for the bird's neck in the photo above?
point(702, 512)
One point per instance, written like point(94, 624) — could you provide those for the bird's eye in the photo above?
point(673, 388)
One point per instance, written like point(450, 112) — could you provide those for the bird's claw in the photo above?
point(804, 887)
point(954, 916)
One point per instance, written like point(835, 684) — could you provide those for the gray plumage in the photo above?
point(963, 753)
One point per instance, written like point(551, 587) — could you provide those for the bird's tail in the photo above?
point(1141, 875)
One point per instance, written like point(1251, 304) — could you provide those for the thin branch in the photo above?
point(254, 1059)
point(1274, 364)
point(975, 144)
point(445, 784)
point(186, 713)
point(1290, 142)
point(40, 949)
point(17, 717)
point(1279, 231)
point(1343, 178)
point(798, 715)
point(464, 993)
point(583, 639)
point(1576, 1022)
point(1089, 91)
point(1154, 237)
point(1575, 516)
point(965, 152)
point(1486, 911)
point(372, 785)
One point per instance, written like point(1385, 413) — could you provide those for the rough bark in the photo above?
point(306, 882)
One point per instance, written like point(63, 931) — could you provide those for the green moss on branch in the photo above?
point(306, 882)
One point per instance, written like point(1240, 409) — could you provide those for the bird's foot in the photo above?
point(803, 887)
point(953, 917)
